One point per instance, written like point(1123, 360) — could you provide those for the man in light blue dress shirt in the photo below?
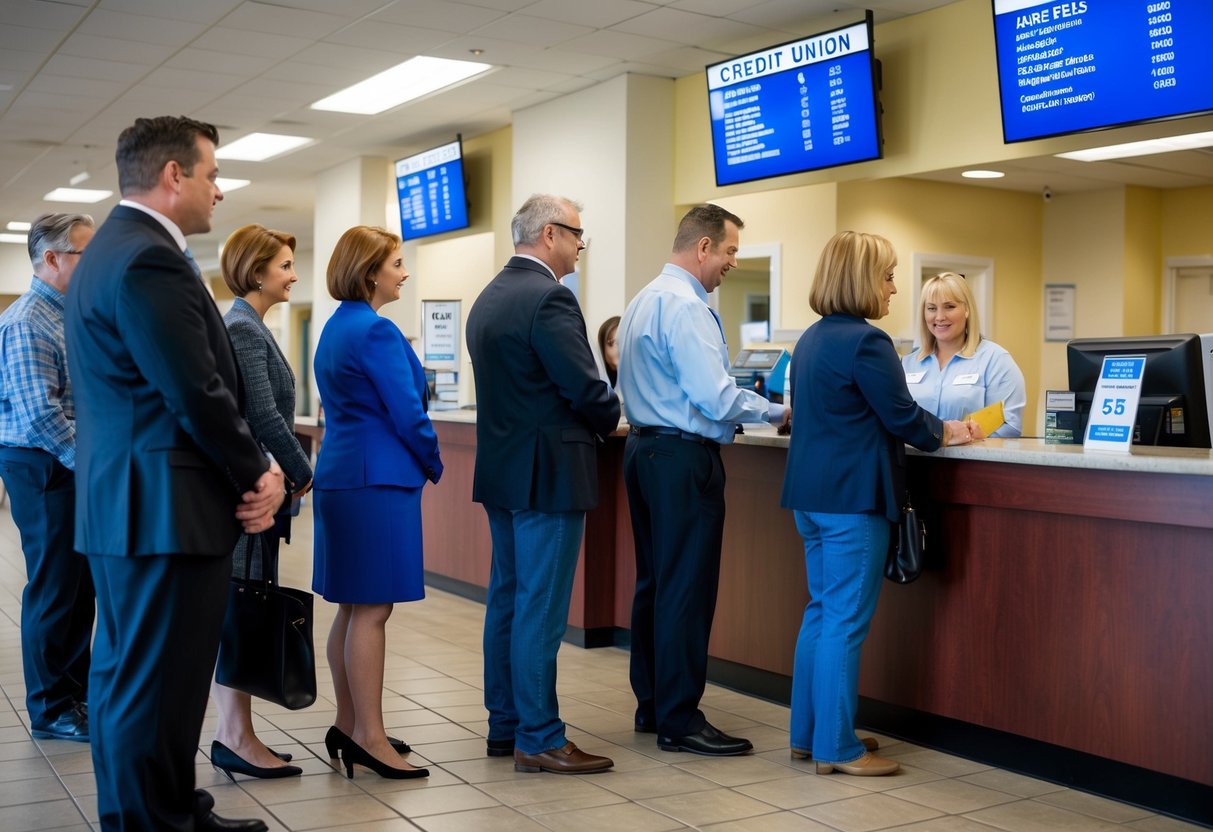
point(682, 405)
point(38, 462)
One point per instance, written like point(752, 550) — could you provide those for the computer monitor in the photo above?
point(1174, 406)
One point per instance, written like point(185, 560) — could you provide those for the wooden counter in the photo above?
point(1068, 632)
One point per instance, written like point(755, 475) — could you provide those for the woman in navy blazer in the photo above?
point(845, 481)
point(258, 265)
point(379, 450)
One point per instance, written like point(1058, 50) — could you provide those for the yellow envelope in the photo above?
point(990, 418)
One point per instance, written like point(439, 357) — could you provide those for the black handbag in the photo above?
point(907, 547)
point(266, 647)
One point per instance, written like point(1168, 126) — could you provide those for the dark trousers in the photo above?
point(57, 604)
point(676, 497)
point(158, 623)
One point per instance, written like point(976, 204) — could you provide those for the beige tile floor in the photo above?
point(432, 698)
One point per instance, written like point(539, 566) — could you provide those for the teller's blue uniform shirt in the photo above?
point(966, 385)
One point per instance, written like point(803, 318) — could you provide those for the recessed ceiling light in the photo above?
point(82, 176)
point(229, 185)
point(983, 174)
point(20, 239)
point(1191, 141)
point(16, 225)
point(257, 147)
point(412, 79)
point(77, 195)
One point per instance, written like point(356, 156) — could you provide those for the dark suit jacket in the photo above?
point(540, 400)
point(851, 417)
point(163, 453)
point(269, 409)
point(376, 430)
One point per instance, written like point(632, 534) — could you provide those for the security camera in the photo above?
point(1047, 194)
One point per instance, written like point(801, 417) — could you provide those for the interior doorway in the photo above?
point(978, 273)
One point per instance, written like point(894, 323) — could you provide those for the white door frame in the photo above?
point(1169, 276)
point(771, 251)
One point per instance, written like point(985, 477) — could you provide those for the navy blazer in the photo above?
point(851, 417)
point(372, 386)
point(540, 400)
point(162, 452)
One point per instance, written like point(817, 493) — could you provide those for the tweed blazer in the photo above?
point(269, 408)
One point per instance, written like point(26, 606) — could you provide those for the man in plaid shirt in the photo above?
point(37, 462)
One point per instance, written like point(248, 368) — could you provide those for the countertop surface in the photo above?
point(1143, 459)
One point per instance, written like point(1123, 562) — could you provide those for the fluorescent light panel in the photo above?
point(257, 147)
point(412, 79)
point(21, 239)
point(15, 225)
point(80, 195)
point(229, 185)
point(982, 174)
point(1191, 141)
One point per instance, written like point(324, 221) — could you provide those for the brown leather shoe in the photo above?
point(567, 760)
point(869, 743)
point(869, 765)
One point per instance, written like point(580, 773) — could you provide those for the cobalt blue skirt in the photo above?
point(368, 545)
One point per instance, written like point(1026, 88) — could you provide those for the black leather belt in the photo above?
point(661, 430)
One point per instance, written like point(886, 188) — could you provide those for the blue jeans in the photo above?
point(844, 557)
point(534, 558)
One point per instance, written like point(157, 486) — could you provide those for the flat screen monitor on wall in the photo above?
point(1174, 405)
point(430, 191)
point(806, 104)
point(1068, 66)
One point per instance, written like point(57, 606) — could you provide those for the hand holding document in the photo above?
point(989, 418)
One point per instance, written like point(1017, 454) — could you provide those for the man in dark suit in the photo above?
point(542, 408)
point(167, 475)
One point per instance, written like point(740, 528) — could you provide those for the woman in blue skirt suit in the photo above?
point(379, 450)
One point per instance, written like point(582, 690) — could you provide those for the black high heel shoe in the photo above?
point(354, 754)
point(227, 761)
point(334, 737)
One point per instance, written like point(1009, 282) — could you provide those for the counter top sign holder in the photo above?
point(1114, 405)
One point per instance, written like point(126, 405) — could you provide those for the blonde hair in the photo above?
point(356, 258)
point(247, 252)
point(954, 287)
point(850, 275)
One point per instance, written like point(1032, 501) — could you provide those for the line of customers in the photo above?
point(212, 451)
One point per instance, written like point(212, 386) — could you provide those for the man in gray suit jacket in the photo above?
point(542, 408)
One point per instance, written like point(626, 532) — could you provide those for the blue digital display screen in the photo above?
point(803, 105)
point(429, 188)
point(1066, 67)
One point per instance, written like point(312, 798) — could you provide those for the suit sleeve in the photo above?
point(253, 355)
point(882, 380)
point(558, 336)
point(161, 312)
point(386, 363)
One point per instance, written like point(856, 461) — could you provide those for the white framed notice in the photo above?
point(440, 322)
point(1114, 405)
point(1059, 311)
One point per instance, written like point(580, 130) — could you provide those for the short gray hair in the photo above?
point(539, 210)
point(53, 232)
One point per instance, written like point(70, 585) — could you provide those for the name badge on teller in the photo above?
point(914, 378)
point(967, 378)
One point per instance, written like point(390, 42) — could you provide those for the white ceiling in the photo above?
point(74, 73)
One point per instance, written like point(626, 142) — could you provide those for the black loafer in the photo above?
point(499, 748)
point(72, 725)
point(707, 741)
point(645, 727)
point(210, 822)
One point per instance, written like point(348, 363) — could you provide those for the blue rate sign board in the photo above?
point(1114, 405)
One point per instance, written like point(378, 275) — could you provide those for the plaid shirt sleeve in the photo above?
point(37, 407)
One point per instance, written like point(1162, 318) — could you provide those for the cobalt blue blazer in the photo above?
point(851, 417)
point(373, 389)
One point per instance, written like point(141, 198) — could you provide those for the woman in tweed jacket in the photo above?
point(258, 265)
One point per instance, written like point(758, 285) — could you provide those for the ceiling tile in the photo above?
point(686, 28)
point(599, 14)
point(102, 48)
point(85, 87)
point(350, 8)
point(309, 73)
point(274, 19)
point(439, 14)
point(19, 60)
point(206, 60)
point(28, 38)
point(615, 44)
point(40, 14)
point(341, 56)
point(60, 64)
point(405, 41)
point(239, 42)
point(728, 8)
point(194, 11)
point(141, 28)
point(215, 83)
point(536, 31)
